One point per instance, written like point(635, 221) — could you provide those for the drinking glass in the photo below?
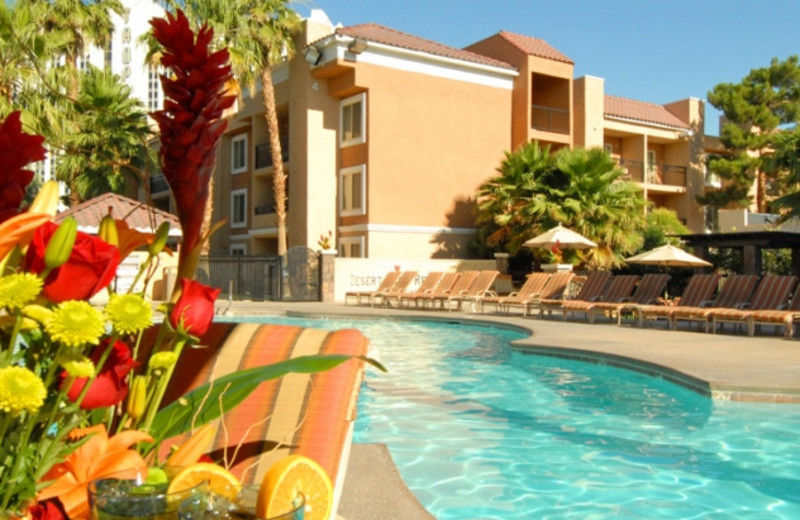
point(127, 495)
point(213, 506)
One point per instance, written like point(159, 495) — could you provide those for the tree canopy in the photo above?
point(758, 111)
point(579, 188)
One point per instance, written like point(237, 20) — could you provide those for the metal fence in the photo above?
point(243, 277)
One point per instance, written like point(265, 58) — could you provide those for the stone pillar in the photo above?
point(327, 272)
point(502, 262)
point(751, 259)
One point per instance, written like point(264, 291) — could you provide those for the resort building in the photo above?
point(386, 137)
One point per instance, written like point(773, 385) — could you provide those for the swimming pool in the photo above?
point(479, 430)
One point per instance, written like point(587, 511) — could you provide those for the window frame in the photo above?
point(237, 249)
point(235, 223)
point(349, 172)
point(347, 102)
point(345, 242)
point(235, 140)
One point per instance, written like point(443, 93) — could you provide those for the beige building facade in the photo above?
point(387, 137)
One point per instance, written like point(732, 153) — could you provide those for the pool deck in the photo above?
point(728, 365)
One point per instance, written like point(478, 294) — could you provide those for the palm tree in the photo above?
point(258, 34)
point(536, 189)
point(75, 24)
point(108, 142)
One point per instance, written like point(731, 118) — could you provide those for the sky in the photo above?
point(650, 50)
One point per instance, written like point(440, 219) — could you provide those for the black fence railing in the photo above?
point(264, 156)
point(550, 119)
point(243, 277)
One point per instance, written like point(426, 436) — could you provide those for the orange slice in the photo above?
point(219, 479)
point(289, 477)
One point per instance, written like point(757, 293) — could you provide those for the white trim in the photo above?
point(421, 62)
point(240, 236)
point(93, 230)
point(648, 123)
point(392, 228)
point(234, 141)
point(346, 172)
point(353, 100)
point(234, 195)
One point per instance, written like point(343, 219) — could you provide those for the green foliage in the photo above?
point(536, 190)
point(660, 227)
point(785, 164)
point(766, 100)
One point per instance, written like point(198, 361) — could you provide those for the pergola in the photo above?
point(751, 243)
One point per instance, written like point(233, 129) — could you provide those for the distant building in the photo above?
point(387, 136)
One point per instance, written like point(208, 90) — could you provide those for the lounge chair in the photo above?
point(591, 290)
point(772, 293)
point(461, 286)
point(698, 291)
point(427, 286)
point(307, 414)
point(735, 292)
point(555, 288)
point(402, 283)
point(444, 286)
point(532, 287)
point(617, 291)
point(479, 289)
point(787, 317)
point(385, 285)
point(647, 292)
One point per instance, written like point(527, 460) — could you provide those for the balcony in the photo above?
point(264, 157)
point(158, 184)
point(657, 177)
point(550, 119)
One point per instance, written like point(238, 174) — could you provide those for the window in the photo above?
point(651, 160)
point(239, 153)
point(609, 148)
point(238, 249)
point(153, 89)
point(238, 208)
point(353, 120)
point(351, 247)
point(352, 189)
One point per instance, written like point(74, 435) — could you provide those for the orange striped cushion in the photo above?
point(309, 414)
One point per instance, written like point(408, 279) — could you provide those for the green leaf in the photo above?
point(211, 400)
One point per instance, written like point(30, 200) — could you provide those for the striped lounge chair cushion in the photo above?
point(308, 414)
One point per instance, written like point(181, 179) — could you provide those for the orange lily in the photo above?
point(18, 230)
point(130, 239)
point(97, 457)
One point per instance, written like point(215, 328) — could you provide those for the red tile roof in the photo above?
point(535, 47)
point(136, 214)
point(641, 111)
point(388, 36)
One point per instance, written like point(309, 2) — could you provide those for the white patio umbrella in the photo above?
point(562, 237)
point(668, 256)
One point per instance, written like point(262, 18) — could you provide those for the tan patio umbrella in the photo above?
point(561, 237)
point(668, 256)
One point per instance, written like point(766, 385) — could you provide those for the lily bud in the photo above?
point(108, 231)
point(137, 397)
point(160, 240)
point(46, 200)
point(60, 245)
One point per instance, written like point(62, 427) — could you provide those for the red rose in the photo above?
point(17, 149)
point(48, 510)
point(90, 268)
point(194, 310)
point(110, 386)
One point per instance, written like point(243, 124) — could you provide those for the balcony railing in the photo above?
point(659, 173)
point(264, 157)
point(550, 119)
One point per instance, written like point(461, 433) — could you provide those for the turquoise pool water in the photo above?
point(481, 431)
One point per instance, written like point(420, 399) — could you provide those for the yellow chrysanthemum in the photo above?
point(77, 366)
point(162, 360)
point(19, 289)
point(20, 390)
point(38, 313)
point(75, 323)
point(129, 313)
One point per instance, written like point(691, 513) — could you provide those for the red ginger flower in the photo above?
point(190, 122)
point(17, 149)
